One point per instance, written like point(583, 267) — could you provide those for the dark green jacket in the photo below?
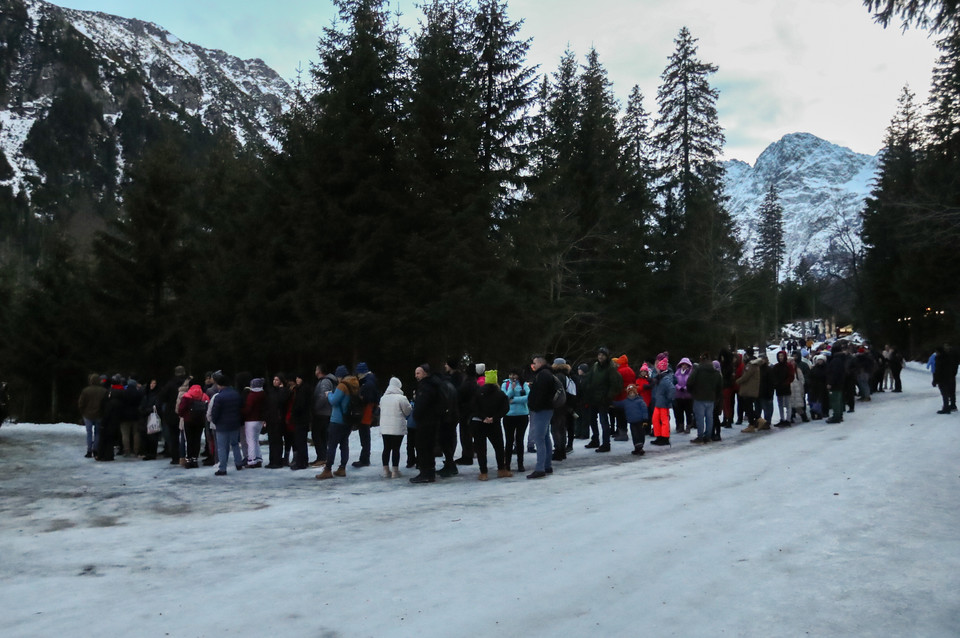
point(602, 384)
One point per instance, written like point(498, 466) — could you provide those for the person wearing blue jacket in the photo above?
point(226, 418)
point(515, 422)
point(339, 432)
point(638, 417)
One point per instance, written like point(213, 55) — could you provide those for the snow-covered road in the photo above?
point(815, 530)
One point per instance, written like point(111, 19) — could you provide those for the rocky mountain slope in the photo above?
point(822, 189)
point(98, 68)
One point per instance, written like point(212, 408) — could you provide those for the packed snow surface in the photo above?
point(815, 530)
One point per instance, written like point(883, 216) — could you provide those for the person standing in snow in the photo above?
point(369, 398)
point(683, 402)
point(663, 394)
point(491, 406)
point(601, 385)
point(427, 413)
point(783, 374)
point(541, 411)
point(339, 432)
point(226, 420)
point(945, 377)
point(90, 404)
point(638, 417)
point(516, 420)
point(705, 385)
point(253, 418)
point(394, 410)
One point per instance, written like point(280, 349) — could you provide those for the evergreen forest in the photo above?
point(436, 196)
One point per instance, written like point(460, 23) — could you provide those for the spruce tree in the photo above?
point(770, 248)
point(697, 243)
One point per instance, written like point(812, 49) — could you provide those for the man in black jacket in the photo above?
point(427, 412)
point(836, 377)
point(945, 377)
point(540, 402)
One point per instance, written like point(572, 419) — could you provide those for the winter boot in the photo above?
point(762, 424)
point(341, 471)
point(483, 476)
point(592, 444)
point(395, 473)
point(386, 471)
point(603, 448)
point(637, 450)
point(750, 428)
point(504, 474)
point(448, 470)
point(325, 474)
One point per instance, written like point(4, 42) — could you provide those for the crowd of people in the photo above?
point(540, 409)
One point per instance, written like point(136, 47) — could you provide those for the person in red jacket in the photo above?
point(629, 378)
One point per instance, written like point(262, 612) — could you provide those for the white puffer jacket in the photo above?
point(394, 409)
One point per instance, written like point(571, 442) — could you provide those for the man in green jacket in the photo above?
point(601, 385)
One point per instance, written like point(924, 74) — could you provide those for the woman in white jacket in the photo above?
point(394, 410)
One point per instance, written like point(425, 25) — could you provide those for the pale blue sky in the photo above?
point(819, 66)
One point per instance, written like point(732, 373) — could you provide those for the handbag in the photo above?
point(153, 422)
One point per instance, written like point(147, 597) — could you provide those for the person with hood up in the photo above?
point(628, 377)
point(819, 397)
point(339, 432)
point(192, 408)
point(394, 410)
point(664, 392)
point(683, 403)
point(638, 417)
point(561, 424)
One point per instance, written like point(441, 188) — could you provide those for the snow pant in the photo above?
point(540, 434)
point(318, 432)
point(836, 405)
point(411, 446)
point(948, 392)
point(108, 434)
point(558, 429)
point(639, 431)
point(618, 421)
point(750, 409)
point(193, 433)
point(598, 413)
point(683, 414)
point(93, 433)
point(849, 392)
point(300, 447)
point(466, 437)
point(338, 435)
point(275, 442)
point(703, 418)
point(661, 422)
point(426, 437)
point(252, 431)
point(391, 447)
point(728, 395)
point(483, 432)
point(897, 385)
point(128, 432)
point(514, 428)
point(364, 432)
point(448, 441)
point(226, 442)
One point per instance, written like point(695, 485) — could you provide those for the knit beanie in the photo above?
point(341, 372)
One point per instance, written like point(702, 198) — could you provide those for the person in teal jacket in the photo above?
point(517, 418)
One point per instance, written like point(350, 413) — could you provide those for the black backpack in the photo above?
point(449, 403)
point(559, 393)
point(198, 412)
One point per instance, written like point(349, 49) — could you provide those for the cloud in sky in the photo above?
point(820, 66)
